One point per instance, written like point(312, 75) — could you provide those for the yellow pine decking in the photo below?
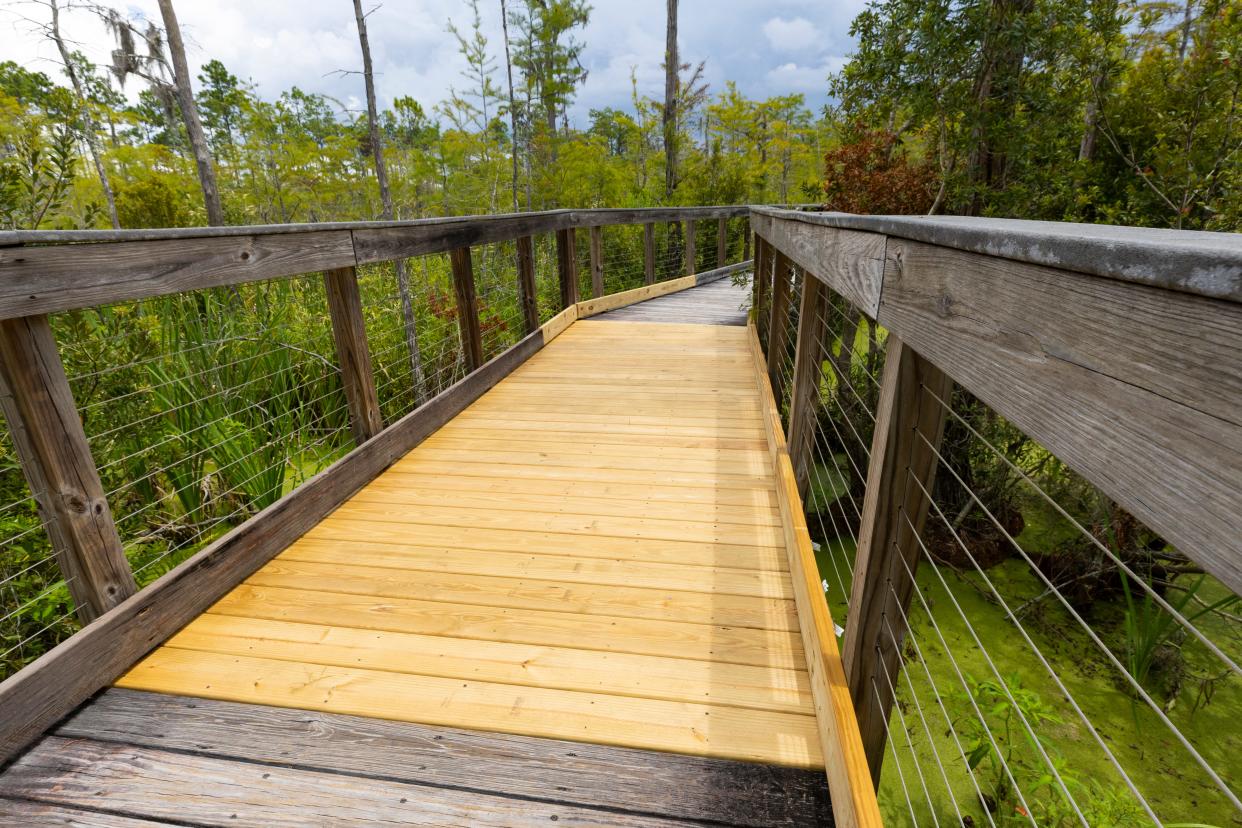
point(591, 551)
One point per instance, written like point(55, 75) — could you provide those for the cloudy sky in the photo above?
point(768, 47)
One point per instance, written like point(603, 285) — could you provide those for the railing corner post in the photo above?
point(649, 254)
point(527, 292)
point(467, 307)
point(567, 265)
point(691, 254)
point(597, 262)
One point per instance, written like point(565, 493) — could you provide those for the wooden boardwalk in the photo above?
point(591, 551)
point(716, 303)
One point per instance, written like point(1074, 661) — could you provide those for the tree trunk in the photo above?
point(189, 114)
point(381, 176)
point(88, 120)
point(672, 66)
point(513, 118)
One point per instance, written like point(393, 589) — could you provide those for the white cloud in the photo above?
point(810, 80)
point(797, 34)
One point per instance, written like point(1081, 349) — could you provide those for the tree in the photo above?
point(189, 113)
point(73, 66)
point(549, 56)
point(381, 176)
point(513, 110)
point(679, 98)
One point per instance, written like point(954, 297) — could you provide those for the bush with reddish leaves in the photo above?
point(872, 174)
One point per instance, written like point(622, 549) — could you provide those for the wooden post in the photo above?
point(902, 466)
point(760, 285)
point(648, 254)
point(526, 283)
point(804, 397)
point(722, 242)
point(691, 260)
point(597, 262)
point(778, 321)
point(56, 458)
point(353, 355)
point(467, 307)
point(746, 240)
point(567, 265)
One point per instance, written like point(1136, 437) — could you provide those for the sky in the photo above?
point(777, 47)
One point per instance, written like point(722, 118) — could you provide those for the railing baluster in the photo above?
point(722, 241)
point(353, 354)
point(467, 307)
point(527, 292)
point(902, 468)
point(567, 265)
point(778, 336)
point(649, 254)
point(760, 284)
point(56, 458)
point(804, 396)
point(691, 260)
point(597, 262)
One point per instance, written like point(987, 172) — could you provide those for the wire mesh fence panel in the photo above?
point(670, 251)
point(36, 608)
point(622, 258)
point(412, 331)
point(499, 296)
point(1059, 663)
point(201, 409)
point(547, 277)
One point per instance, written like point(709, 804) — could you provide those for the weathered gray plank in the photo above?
point(56, 683)
point(353, 355)
point(691, 253)
point(1138, 389)
point(722, 241)
point(37, 280)
point(573, 773)
point(849, 262)
point(804, 393)
point(597, 262)
point(23, 814)
point(649, 254)
point(567, 266)
point(718, 302)
point(1191, 261)
point(159, 784)
point(909, 417)
point(778, 322)
point(56, 459)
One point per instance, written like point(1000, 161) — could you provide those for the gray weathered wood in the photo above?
point(567, 266)
point(722, 241)
point(778, 323)
point(467, 307)
point(53, 685)
point(902, 467)
point(718, 302)
point(353, 354)
point(1136, 388)
point(715, 274)
point(572, 773)
point(188, 787)
point(746, 239)
point(691, 253)
point(16, 812)
point(804, 395)
point(56, 458)
point(528, 294)
point(36, 280)
point(597, 262)
point(848, 261)
point(649, 254)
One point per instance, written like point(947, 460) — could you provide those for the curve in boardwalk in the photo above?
point(591, 551)
point(719, 302)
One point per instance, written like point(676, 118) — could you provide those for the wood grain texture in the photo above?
point(353, 354)
point(849, 778)
point(902, 469)
point(1116, 379)
point(804, 400)
point(629, 297)
point(37, 280)
point(630, 781)
point(597, 262)
point(56, 459)
point(567, 266)
point(558, 324)
point(467, 306)
point(848, 261)
point(52, 686)
point(20, 813)
point(528, 294)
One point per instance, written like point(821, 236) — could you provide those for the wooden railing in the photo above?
point(1114, 349)
point(45, 273)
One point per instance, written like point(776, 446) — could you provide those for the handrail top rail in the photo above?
point(1204, 262)
point(558, 219)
